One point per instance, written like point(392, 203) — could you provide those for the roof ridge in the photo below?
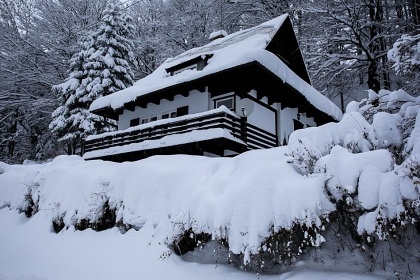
point(227, 41)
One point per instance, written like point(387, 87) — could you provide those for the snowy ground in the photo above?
point(30, 250)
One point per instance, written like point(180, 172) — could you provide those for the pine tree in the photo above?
point(100, 68)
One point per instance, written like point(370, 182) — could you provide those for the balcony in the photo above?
point(215, 131)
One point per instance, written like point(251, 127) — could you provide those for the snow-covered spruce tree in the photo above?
point(100, 68)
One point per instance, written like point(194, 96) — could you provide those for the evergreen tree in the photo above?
point(100, 68)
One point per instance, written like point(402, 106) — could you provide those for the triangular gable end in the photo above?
point(285, 46)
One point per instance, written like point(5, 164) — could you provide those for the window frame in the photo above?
point(224, 98)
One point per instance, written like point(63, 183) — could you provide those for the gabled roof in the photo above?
point(255, 46)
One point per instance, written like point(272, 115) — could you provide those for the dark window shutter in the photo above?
point(182, 111)
point(134, 122)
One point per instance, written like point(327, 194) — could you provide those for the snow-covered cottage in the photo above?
point(242, 91)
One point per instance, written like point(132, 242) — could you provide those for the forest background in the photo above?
point(349, 46)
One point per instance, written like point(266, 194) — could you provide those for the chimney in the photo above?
point(217, 34)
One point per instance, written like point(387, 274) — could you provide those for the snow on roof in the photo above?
point(234, 50)
point(265, 29)
point(217, 34)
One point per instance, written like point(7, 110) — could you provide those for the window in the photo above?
point(179, 112)
point(134, 122)
point(228, 102)
point(197, 63)
point(191, 67)
point(169, 115)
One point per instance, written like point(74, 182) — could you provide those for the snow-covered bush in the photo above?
point(370, 160)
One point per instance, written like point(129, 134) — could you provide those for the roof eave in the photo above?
point(274, 82)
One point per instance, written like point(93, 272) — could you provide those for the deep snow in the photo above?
point(30, 250)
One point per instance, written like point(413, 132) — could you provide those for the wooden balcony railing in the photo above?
point(252, 136)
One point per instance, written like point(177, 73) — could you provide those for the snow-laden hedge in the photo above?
point(242, 199)
point(370, 160)
point(263, 205)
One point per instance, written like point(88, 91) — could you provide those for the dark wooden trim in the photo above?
point(170, 97)
point(288, 50)
point(277, 124)
point(191, 62)
point(142, 104)
point(155, 101)
point(131, 106)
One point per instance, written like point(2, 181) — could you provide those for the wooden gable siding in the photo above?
point(285, 46)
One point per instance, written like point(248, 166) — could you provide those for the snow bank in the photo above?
point(362, 161)
point(344, 171)
point(232, 198)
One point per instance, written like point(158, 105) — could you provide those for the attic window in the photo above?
point(197, 63)
point(217, 34)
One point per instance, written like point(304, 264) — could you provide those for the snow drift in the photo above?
point(239, 199)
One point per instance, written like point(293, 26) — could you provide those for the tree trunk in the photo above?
point(373, 77)
point(415, 11)
point(375, 15)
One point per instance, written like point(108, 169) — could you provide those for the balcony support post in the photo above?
point(244, 133)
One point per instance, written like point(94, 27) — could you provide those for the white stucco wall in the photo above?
point(196, 101)
point(286, 125)
point(308, 122)
point(263, 118)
